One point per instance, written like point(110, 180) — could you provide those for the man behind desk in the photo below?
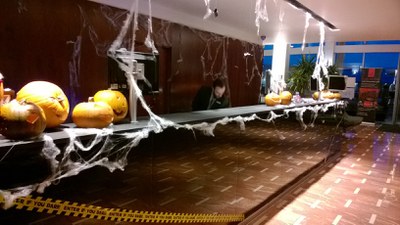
point(211, 97)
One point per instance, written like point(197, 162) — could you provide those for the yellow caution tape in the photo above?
point(89, 211)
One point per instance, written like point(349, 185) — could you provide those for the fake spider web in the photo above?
point(79, 155)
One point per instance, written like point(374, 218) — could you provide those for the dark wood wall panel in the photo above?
point(65, 42)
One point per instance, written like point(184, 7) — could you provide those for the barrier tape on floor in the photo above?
point(89, 211)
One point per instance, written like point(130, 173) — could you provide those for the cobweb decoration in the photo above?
point(255, 72)
point(278, 83)
point(149, 42)
point(179, 61)
point(307, 24)
point(162, 35)
point(261, 13)
point(207, 53)
point(208, 10)
point(281, 12)
point(113, 18)
point(21, 7)
point(314, 110)
point(320, 62)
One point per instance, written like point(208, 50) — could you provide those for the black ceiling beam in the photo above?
point(298, 5)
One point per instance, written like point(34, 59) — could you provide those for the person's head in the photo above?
point(219, 88)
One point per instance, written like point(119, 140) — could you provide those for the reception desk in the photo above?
point(58, 135)
point(181, 170)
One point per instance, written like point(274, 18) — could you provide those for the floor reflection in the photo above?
point(361, 188)
point(180, 171)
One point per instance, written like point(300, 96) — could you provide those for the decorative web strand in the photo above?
point(261, 13)
point(320, 65)
point(208, 9)
point(307, 24)
point(149, 42)
point(281, 12)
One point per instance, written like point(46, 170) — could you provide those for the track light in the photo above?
point(297, 5)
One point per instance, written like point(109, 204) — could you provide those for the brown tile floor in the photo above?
point(233, 172)
point(236, 172)
point(361, 188)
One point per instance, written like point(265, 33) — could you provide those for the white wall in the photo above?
point(161, 12)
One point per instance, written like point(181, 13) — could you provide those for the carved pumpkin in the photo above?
point(21, 120)
point(286, 97)
point(92, 115)
point(272, 99)
point(116, 100)
point(50, 98)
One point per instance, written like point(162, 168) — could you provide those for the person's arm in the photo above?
point(195, 102)
point(200, 101)
point(225, 103)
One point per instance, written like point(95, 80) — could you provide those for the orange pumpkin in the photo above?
point(315, 95)
point(337, 95)
point(272, 99)
point(286, 97)
point(92, 115)
point(21, 120)
point(116, 100)
point(325, 94)
point(50, 98)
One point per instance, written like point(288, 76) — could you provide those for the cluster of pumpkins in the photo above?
point(285, 97)
point(41, 104)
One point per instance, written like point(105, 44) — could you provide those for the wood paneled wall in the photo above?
point(65, 42)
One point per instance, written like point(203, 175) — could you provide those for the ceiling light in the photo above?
point(294, 7)
point(334, 30)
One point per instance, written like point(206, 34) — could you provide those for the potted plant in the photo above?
point(300, 75)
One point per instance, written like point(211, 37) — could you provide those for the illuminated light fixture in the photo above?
point(297, 5)
point(293, 6)
point(334, 30)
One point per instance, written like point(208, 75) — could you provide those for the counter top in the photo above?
point(59, 135)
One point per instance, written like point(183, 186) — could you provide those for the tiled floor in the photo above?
point(239, 171)
point(177, 171)
point(362, 187)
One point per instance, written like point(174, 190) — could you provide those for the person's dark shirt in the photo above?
point(205, 99)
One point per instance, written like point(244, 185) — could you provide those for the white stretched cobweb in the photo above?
point(261, 13)
point(320, 62)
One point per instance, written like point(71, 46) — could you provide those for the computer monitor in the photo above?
point(314, 84)
point(336, 82)
point(147, 64)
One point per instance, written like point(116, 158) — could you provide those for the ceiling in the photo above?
point(358, 20)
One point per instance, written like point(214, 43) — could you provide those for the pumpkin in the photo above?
point(116, 100)
point(92, 115)
point(21, 120)
point(272, 99)
point(337, 95)
point(328, 95)
point(286, 97)
point(315, 95)
point(50, 98)
point(324, 94)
